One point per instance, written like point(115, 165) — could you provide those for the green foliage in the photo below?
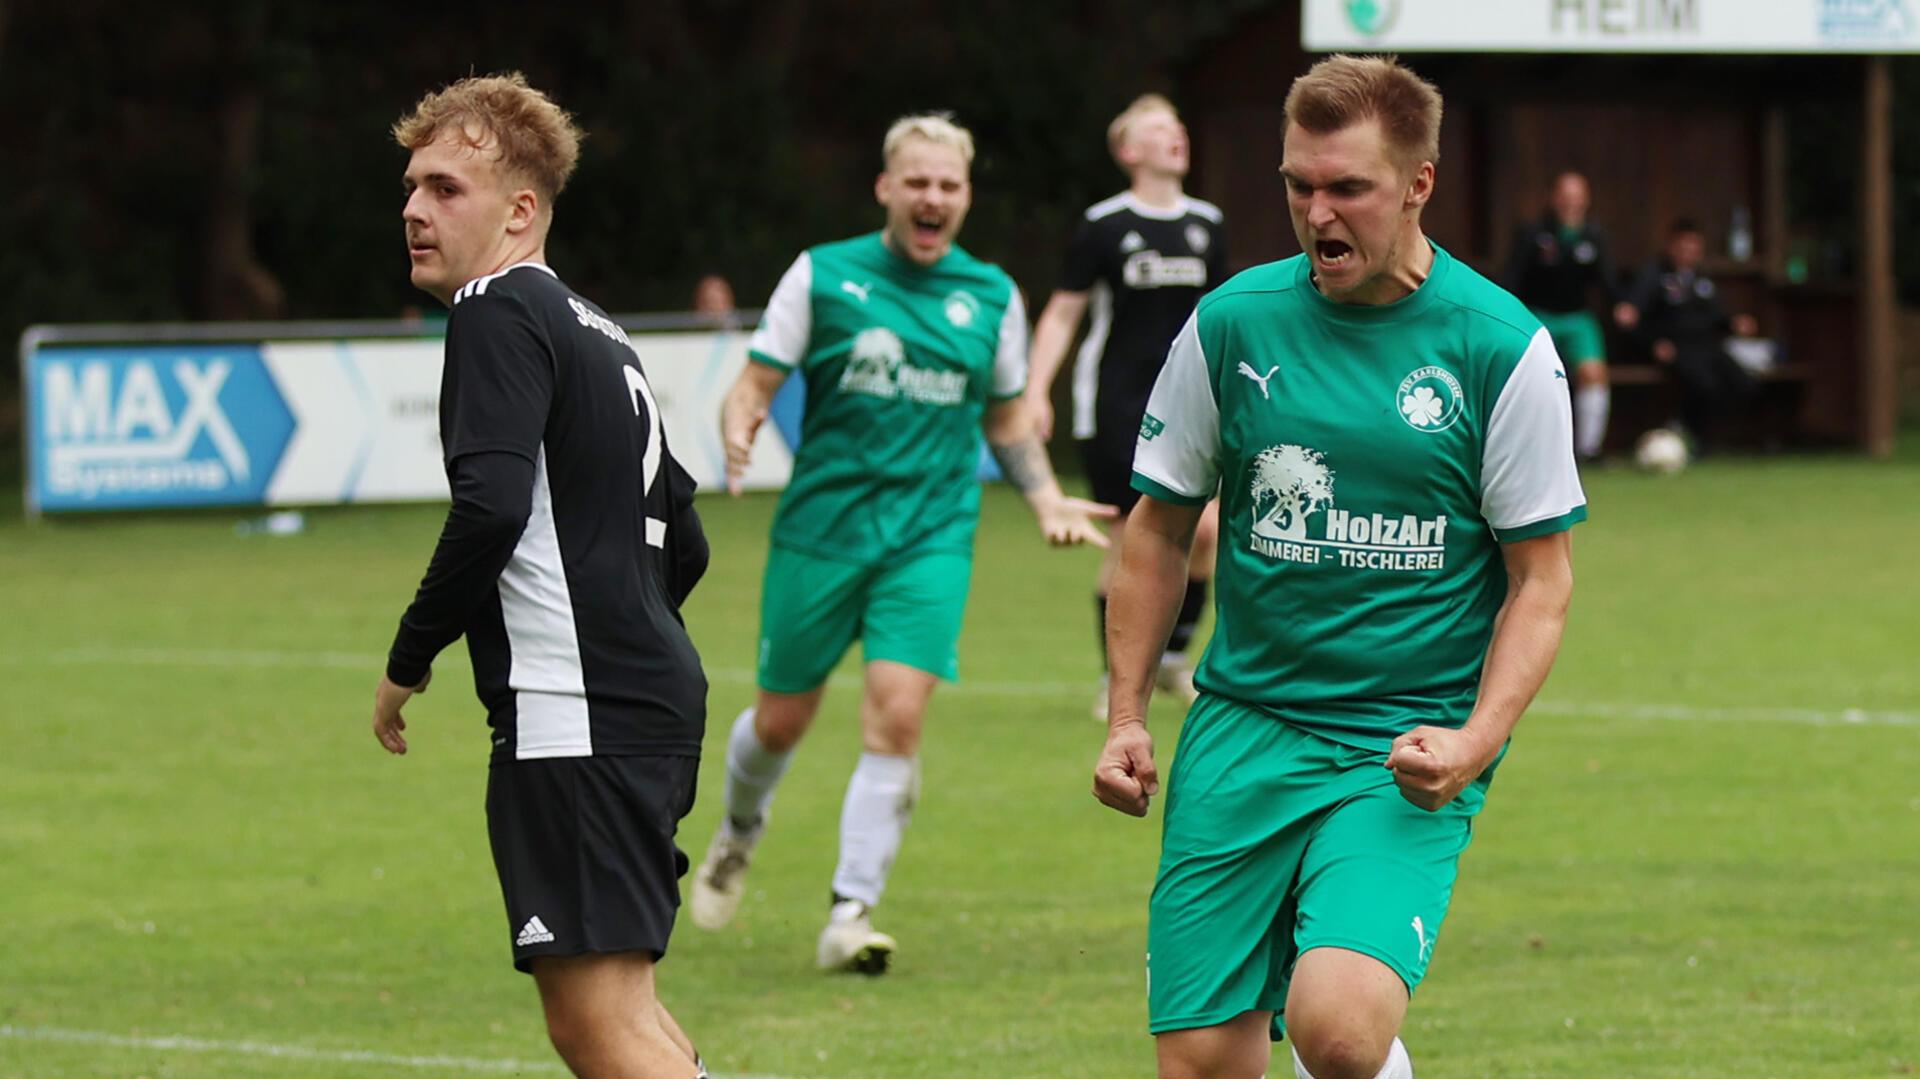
point(724, 135)
point(201, 837)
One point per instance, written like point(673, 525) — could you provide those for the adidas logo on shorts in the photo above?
point(534, 932)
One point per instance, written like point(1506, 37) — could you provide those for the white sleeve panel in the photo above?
point(788, 322)
point(1010, 361)
point(1527, 474)
point(1179, 445)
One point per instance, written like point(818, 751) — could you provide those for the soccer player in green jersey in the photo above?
point(910, 346)
point(1555, 263)
point(1392, 445)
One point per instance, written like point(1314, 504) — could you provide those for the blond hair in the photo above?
point(935, 127)
point(534, 139)
point(1142, 105)
point(1344, 90)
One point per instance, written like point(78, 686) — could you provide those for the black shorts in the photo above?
point(584, 848)
point(1109, 472)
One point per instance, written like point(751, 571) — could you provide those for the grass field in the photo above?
point(1702, 857)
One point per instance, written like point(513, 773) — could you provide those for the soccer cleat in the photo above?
point(1176, 678)
point(849, 942)
point(1100, 701)
point(721, 880)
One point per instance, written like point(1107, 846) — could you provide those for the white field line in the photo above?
point(373, 664)
point(179, 1043)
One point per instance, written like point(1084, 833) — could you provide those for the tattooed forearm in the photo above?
point(1024, 463)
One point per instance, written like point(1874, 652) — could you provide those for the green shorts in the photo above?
point(1576, 336)
point(907, 610)
point(1278, 841)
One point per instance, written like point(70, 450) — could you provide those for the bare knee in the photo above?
point(1343, 1011)
point(892, 707)
point(1236, 1049)
point(1592, 373)
point(585, 1035)
point(780, 720)
point(1340, 1050)
point(574, 1036)
point(892, 723)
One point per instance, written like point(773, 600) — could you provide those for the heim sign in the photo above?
point(1612, 26)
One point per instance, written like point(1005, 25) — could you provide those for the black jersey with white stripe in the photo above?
point(1144, 268)
point(577, 644)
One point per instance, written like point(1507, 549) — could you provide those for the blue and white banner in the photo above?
point(1612, 26)
point(310, 422)
point(190, 425)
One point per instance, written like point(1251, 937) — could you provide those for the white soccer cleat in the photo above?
point(721, 880)
point(850, 942)
point(1176, 677)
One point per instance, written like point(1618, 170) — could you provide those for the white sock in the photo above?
point(873, 820)
point(1590, 407)
point(753, 771)
point(1398, 1065)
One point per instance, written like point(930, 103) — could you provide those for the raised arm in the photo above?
point(1051, 338)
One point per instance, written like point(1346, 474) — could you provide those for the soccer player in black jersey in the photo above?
point(569, 547)
point(1140, 261)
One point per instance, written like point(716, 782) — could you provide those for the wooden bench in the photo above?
point(1655, 374)
point(1645, 397)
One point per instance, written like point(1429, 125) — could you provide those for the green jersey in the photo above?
point(1370, 462)
point(901, 361)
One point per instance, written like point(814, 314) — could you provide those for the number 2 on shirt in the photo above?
point(650, 462)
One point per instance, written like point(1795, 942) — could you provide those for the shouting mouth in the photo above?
point(927, 229)
point(1332, 254)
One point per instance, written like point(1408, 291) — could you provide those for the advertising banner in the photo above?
point(184, 425)
point(1611, 26)
point(311, 422)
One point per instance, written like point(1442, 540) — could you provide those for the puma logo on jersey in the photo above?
point(859, 292)
point(1260, 378)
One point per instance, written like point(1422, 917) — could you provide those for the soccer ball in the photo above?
point(1661, 450)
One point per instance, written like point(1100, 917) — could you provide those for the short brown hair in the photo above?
point(537, 140)
point(1344, 90)
point(1145, 103)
